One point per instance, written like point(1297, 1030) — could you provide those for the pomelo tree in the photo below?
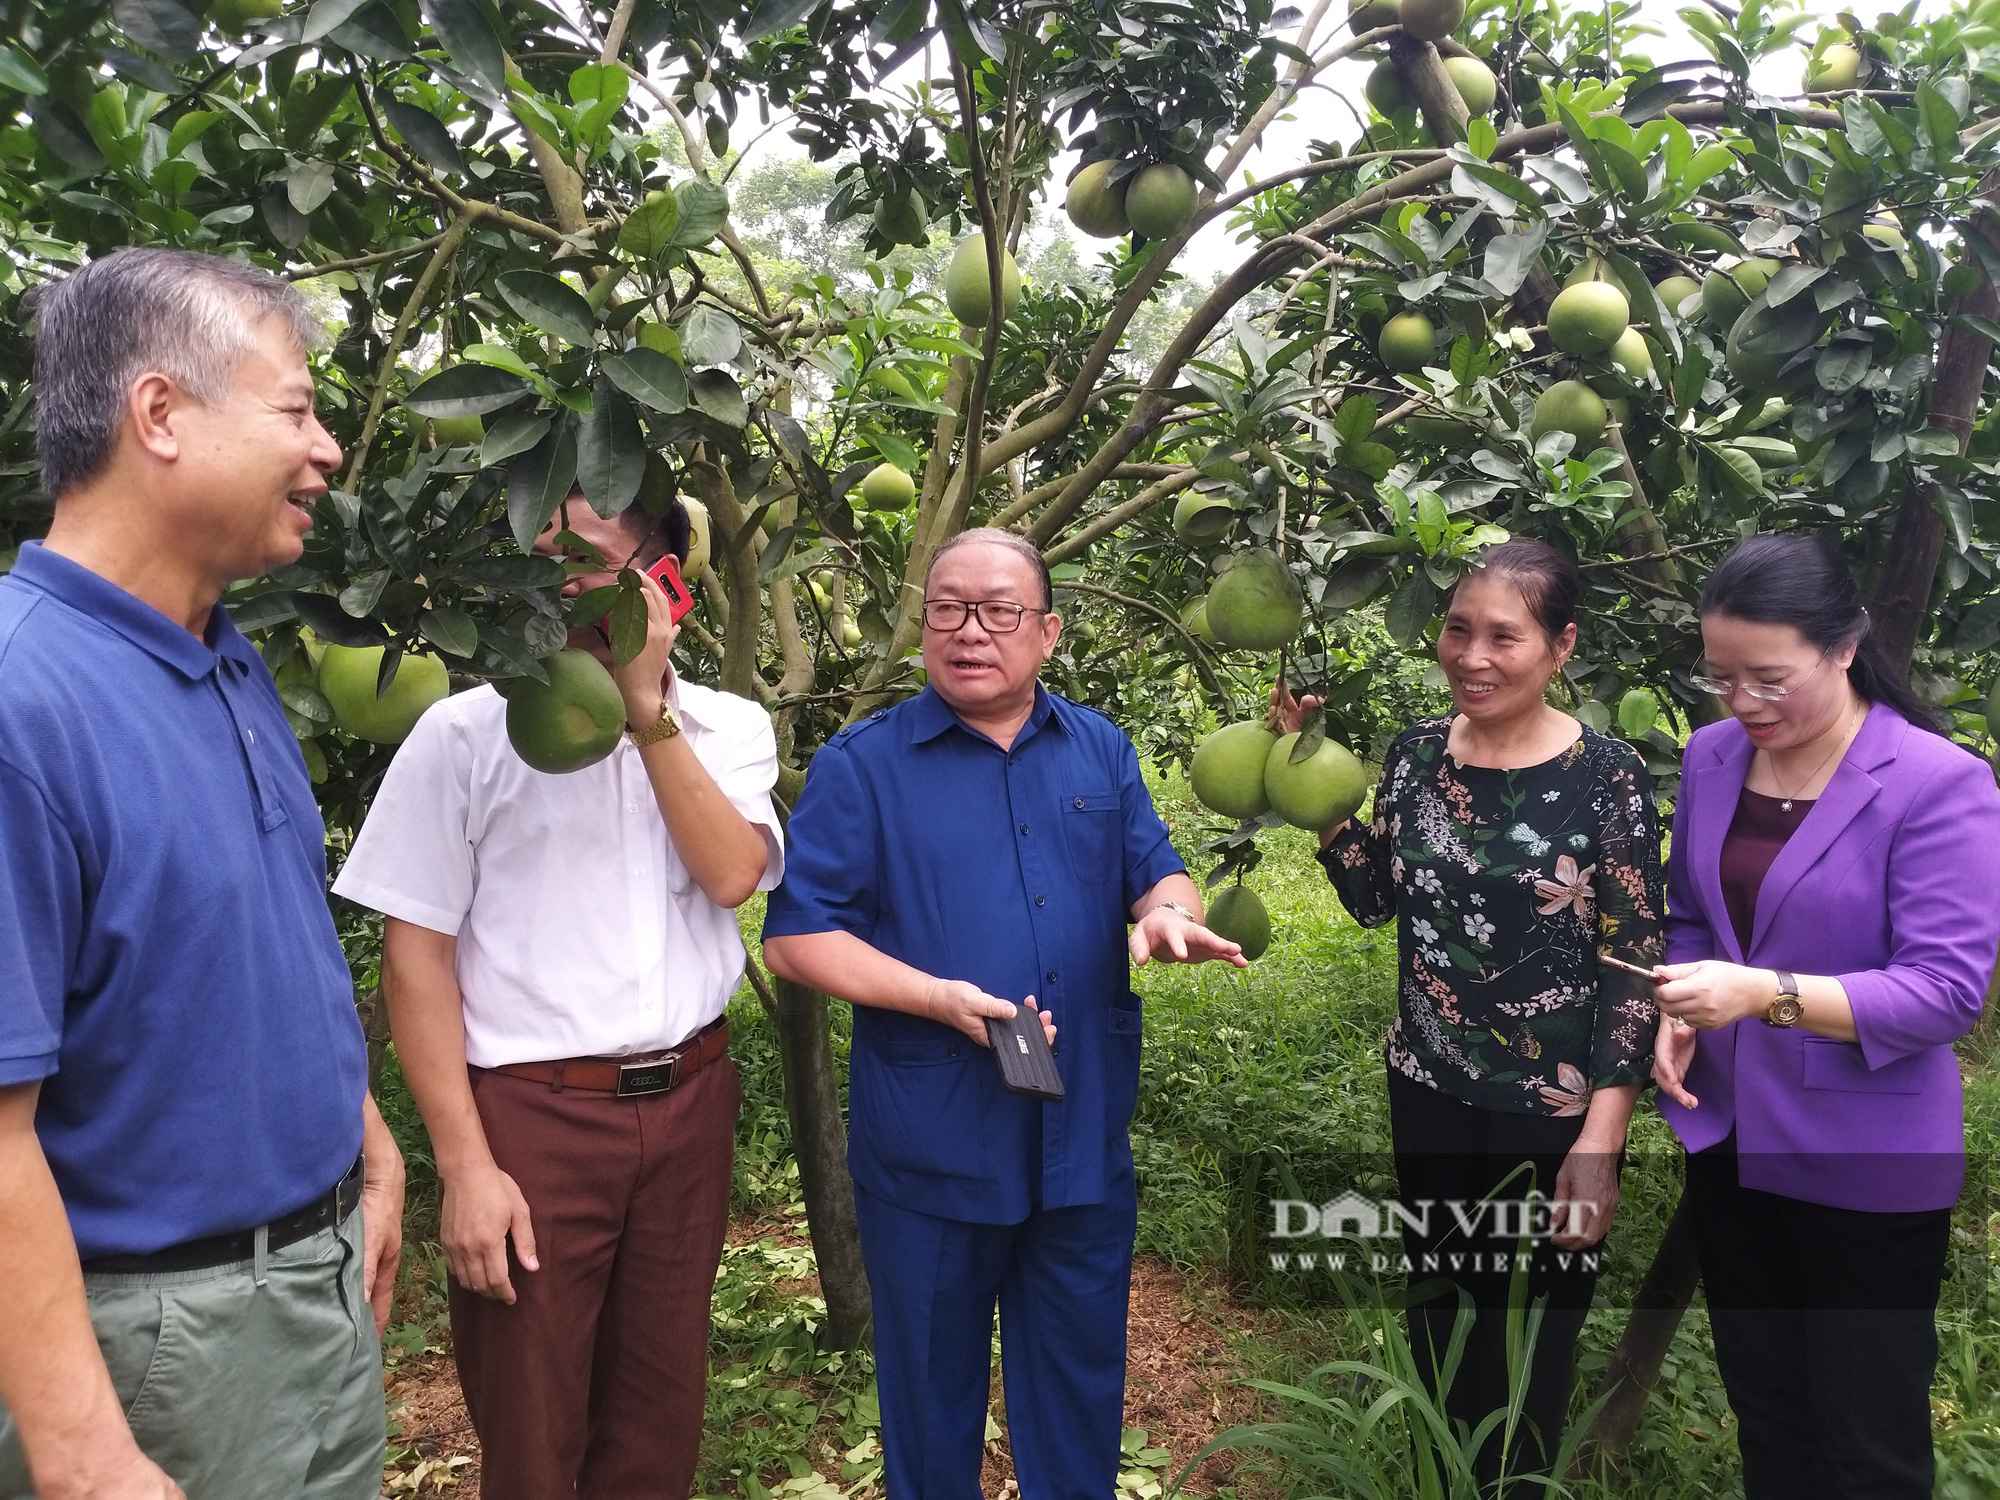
point(518, 217)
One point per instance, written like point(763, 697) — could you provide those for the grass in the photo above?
point(1286, 1053)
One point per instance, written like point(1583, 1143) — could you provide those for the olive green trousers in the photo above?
point(244, 1386)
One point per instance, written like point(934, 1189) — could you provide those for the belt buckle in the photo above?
point(654, 1077)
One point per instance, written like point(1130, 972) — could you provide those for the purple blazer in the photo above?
point(1891, 884)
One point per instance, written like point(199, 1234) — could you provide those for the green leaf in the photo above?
point(360, 597)
point(1637, 712)
point(710, 336)
point(161, 26)
point(1932, 442)
point(425, 135)
point(327, 17)
point(550, 305)
point(305, 701)
point(21, 73)
point(704, 208)
point(610, 451)
point(629, 619)
point(1842, 364)
point(541, 480)
point(450, 630)
point(649, 377)
point(773, 16)
point(1431, 520)
point(1704, 164)
point(466, 391)
point(309, 184)
point(648, 231)
point(467, 33)
point(1940, 122)
point(1355, 421)
point(514, 433)
point(1409, 609)
point(717, 393)
point(894, 450)
point(1789, 282)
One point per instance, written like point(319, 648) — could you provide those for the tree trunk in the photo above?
point(1635, 1364)
point(819, 1141)
point(1909, 568)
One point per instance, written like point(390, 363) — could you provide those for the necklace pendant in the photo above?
point(1786, 805)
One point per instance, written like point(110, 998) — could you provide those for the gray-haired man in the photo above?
point(185, 1272)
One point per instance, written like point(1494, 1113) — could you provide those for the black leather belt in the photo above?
point(330, 1208)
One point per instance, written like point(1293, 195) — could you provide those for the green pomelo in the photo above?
point(1475, 83)
point(1237, 915)
point(888, 488)
point(1839, 67)
point(1573, 407)
point(458, 432)
point(1432, 20)
point(1202, 518)
point(1256, 605)
point(968, 290)
point(1384, 89)
point(1885, 234)
point(1227, 772)
point(1370, 15)
point(850, 634)
point(1675, 290)
point(315, 761)
point(1323, 789)
point(1194, 619)
point(1725, 294)
point(571, 721)
point(1588, 318)
point(347, 678)
point(1408, 342)
point(903, 218)
point(698, 538)
point(1094, 205)
point(1632, 354)
point(1159, 201)
point(1590, 268)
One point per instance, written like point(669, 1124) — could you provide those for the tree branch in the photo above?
point(1118, 515)
point(447, 247)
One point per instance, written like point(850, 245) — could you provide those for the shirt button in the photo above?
point(1078, 804)
point(1024, 828)
point(1050, 976)
point(1041, 900)
point(640, 871)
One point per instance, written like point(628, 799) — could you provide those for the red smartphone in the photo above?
point(667, 574)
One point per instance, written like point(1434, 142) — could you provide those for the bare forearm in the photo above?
point(1178, 888)
point(839, 963)
point(1827, 1010)
point(1609, 1116)
point(722, 849)
point(427, 1021)
point(52, 1377)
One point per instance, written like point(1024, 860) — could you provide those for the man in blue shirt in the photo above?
point(185, 1277)
point(988, 840)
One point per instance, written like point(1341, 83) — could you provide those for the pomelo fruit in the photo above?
point(903, 217)
point(1588, 318)
point(1632, 355)
point(1408, 342)
point(458, 432)
point(571, 721)
point(1159, 201)
point(698, 535)
point(1194, 618)
point(1202, 518)
point(347, 678)
point(1573, 407)
point(1432, 20)
point(1725, 294)
point(1227, 772)
point(1384, 89)
point(1475, 83)
point(968, 290)
point(1370, 15)
point(1237, 915)
point(1885, 234)
point(1323, 789)
point(1590, 268)
point(888, 488)
point(1256, 605)
point(1675, 290)
point(1839, 67)
point(1094, 205)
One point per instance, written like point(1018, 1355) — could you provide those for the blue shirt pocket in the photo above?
point(1093, 827)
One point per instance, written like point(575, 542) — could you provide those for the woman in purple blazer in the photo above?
point(1833, 915)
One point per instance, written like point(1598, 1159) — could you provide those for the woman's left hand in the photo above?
point(1712, 993)
point(1586, 1197)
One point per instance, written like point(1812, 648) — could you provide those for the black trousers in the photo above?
point(1826, 1334)
point(1450, 1152)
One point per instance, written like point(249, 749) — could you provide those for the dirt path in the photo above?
point(1180, 1388)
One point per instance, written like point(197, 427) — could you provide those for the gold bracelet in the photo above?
point(664, 728)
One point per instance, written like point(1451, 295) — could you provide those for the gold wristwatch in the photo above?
point(1787, 1009)
point(664, 728)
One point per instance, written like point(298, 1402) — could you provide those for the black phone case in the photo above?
point(1027, 1066)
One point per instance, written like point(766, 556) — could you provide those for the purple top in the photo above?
point(1756, 834)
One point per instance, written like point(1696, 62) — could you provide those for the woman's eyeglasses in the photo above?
point(1768, 692)
point(996, 616)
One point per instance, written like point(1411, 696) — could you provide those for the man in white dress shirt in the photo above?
point(557, 960)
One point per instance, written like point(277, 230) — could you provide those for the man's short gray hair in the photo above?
point(992, 536)
point(191, 317)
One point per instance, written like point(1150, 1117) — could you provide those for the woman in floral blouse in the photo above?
point(1512, 845)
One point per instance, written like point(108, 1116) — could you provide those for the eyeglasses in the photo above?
point(1769, 692)
point(996, 616)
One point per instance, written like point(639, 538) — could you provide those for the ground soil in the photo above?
point(1180, 1387)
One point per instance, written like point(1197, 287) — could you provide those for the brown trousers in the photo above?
point(592, 1383)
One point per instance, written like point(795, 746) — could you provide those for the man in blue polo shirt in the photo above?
point(982, 844)
point(185, 1278)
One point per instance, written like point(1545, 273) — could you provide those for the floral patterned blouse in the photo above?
point(1505, 885)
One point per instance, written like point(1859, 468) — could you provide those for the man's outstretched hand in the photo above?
point(1165, 934)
